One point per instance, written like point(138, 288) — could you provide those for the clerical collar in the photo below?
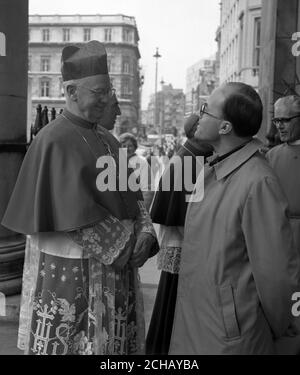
point(222, 157)
point(77, 120)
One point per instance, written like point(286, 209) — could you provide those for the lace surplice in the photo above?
point(169, 256)
point(74, 301)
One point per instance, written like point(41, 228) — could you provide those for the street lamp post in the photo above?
point(156, 56)
point(140, 104)
point(162, 111)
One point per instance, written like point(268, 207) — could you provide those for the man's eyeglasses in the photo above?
point(102, 92)
point(277, 121)
point(203, 111)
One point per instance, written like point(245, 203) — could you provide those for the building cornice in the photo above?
point(60, 20)
point(78, 17)
point(81, 24)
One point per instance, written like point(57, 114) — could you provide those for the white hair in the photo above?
point(291, 102)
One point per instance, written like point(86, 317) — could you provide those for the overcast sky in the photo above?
point(184, 31)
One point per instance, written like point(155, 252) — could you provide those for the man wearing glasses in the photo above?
point(285, 158)
point(81, 291)
point(239, 268)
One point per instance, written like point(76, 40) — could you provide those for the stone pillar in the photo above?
point(13, 119)
point(280, 20)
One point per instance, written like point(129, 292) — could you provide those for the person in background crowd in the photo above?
point(285, 161)
point(239, 266)
point(81, 291)
point(140, 165)
point(285, 158)
point(168, 210)
point(157, 164)
point(273, 137)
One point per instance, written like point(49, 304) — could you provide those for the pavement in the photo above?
point(9, 324)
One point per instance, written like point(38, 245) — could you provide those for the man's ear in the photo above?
point(72, 92)
point(225, 127)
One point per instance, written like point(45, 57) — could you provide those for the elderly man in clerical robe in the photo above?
point(81, 292)
point(285, 158)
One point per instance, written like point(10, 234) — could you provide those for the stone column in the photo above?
point(13, 119)
point(280, 20)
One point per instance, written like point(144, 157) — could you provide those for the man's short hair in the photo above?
point(290, 102)
point(128, 137)
point(243, 109)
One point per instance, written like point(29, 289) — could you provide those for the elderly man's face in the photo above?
point(111, 111)
point(92, 97)
point(287, 124)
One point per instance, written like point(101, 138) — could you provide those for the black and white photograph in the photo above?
point(149, 180)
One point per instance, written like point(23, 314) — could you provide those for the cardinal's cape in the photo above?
point(56, 188)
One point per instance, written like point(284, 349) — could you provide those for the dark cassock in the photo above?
point(73, 300)
point(169, 211)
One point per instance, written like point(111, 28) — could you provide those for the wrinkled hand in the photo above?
point(143, 246)
point(124, 257)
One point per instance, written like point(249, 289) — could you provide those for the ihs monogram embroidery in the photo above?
point(41, 339)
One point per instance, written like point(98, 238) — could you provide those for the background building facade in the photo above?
point(201, 80)
point(239, 40)
point(169, 111)
point(48, 34)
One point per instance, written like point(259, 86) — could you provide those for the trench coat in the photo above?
point(239, 265)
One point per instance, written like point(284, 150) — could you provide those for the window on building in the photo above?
point(241, 41)
point(86, 35)
point(127, 35)
point(45, 63)
point(29, 34)
point(61, 88)
point(207, 63)
point(125, 89)
point(126, 65)
point(257, 34)
point(107, 35)
point(29, 63)
point(66, 35)
point(45, 88)
point(46, 35)
point(110, 63)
